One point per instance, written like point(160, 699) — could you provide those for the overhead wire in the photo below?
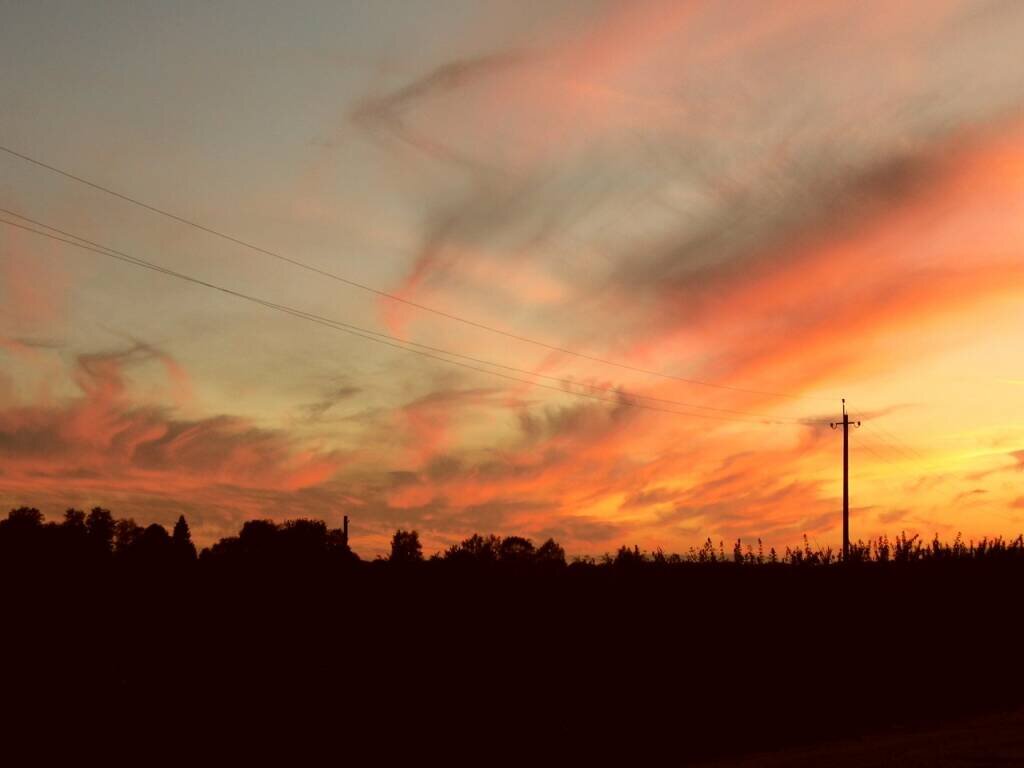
point(875, 453)
point(390, 337)
point(893, 443)
point(898, 441)
point(391, 296)
point(901, 455)
point(386, 339)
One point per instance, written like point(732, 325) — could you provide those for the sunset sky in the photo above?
point(734, 213)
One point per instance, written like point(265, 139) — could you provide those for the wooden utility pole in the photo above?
point(846, 477)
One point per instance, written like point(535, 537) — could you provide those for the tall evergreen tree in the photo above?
point(181, 539)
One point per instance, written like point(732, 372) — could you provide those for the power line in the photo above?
point(889, 454)
point(360, 330)
point(903, 449)
point(899, 442)
point(890, 449)
point(900, 454)
point(374, 336)
point(390, 296)
point(874, 453)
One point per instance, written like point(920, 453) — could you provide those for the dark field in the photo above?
point(629, 657)
point(982, 740)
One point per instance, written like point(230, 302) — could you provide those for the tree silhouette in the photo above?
point(629, 558)
point(152, 546)
point(516, 550)
point(258, 536)
point(406, 547)
point(23, 519)
point(477, 549)
point(21, 536)
point(100, 526)
point(550, 553)
point(74, 519)
point(126, 535)
point(73, 537)
point(181, 539)
point(294, 544)
point(338, 547)
point(303, 537)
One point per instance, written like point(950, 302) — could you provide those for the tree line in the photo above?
point(714, 649)
point(98, 535)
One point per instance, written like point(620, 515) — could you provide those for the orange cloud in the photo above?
point(104, 443)
point(827, 303)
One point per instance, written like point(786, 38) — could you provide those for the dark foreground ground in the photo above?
point(988, 740)
point(692, 662)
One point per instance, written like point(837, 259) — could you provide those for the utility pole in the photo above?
point(846, 477)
